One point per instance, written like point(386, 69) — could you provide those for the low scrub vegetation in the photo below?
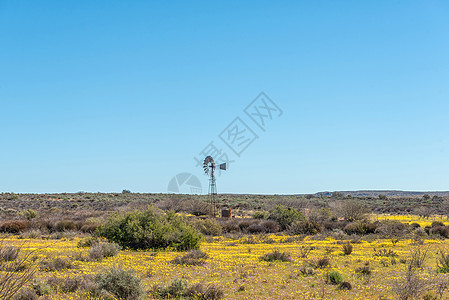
point(102, 250)
point(123, 284)
point(319, 263)
point(180, 289)
point(384, 253)
point(365, 270)
point(14, 226)
point(443, 261)
point(192, 258)
point(9, 253)
point(298, 247)
point(334, 277)
point(207, 226)
point(347, 248)
point(277, 255)
point(56, 264)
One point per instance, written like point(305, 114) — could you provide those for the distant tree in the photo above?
point(352, 210)
point(426, 197)
point(383, 197)
point(126, 192)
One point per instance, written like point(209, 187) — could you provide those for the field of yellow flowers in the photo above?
point(235, 266)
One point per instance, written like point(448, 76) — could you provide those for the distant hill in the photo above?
point(388, 193)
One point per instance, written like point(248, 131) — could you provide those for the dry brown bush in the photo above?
point(14, 226)
point(17, 271)
point(440, 230)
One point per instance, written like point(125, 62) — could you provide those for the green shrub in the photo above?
point(9, 253)
point(91, 291)
point(56, 264)
point(29, 214)
point(319, 263)
point(150, 229)
point(285, 216)
point(124, 284)
point(347, 248)
point(90, 225)
point(304, 227)
point(443, 262)
point(192, 258)
point(360, 227)
point(62, 235)
point(305, 251)
point(334, 277)
point(365, 270)
point(176, 289)
point(306, 271)
point(10, 211)
point(65, 225)
point(384, 253)
point(41, 287)
point(207, 226)
point(66, 284)
point(31, 234)
point(88, 242)
point(179, 289)
point(102, 250)
point(261, 215)
point(26, 294)
point(277, 255)
point(199, 291)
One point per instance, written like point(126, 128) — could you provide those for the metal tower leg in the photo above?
point(213, 193)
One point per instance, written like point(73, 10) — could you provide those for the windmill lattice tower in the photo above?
point(209, 169)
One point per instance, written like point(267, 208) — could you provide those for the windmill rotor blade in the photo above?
point(209, 165)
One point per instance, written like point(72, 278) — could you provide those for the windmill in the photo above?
point(209, 169)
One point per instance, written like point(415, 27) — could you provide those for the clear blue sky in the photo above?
point(112, 95)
